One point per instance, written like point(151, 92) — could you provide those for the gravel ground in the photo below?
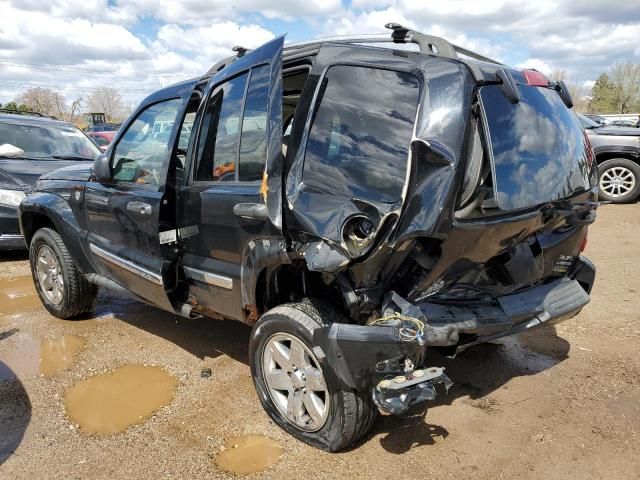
point(559, 402)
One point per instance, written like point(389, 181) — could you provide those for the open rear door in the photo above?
point(231, 205)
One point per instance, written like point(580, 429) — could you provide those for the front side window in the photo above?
point(142, 150)
point(359, 141)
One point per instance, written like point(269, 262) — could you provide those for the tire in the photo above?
point(619, 169)
point(350, 414)
point(75, 296)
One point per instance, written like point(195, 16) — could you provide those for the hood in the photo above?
point(618, 131)
point(27, 172)
point(78, 171)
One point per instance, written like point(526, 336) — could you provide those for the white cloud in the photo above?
point(536, 64)
point(139, 45)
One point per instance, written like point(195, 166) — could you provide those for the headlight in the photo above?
point(11, 197)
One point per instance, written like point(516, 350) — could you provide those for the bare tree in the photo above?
point(75, 110)
point(44, 101)
point(558, 75)
point(625, 78)
point(107, 100)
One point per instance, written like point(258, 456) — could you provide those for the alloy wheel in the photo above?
point(295, 382)
point(49, 275)
point(617, 181)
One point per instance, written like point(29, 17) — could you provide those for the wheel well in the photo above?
point(604, 156)
point(32, 222)
point(291, 283)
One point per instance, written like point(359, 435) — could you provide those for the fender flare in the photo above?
point(58, 212)
point(624, 150)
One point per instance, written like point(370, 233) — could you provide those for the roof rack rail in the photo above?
point(429, 44)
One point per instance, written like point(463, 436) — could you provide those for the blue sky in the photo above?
point(76, 46)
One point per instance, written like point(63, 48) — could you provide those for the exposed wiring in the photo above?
point(405, 332)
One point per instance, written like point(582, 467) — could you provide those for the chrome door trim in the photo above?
point(208, 277)
point(126, 264)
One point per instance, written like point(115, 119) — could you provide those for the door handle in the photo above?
point(140, 208)
point(257, 211)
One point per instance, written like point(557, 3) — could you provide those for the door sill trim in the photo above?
point(208, 277)
point(126, 264)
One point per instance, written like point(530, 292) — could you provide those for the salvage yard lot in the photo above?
point(559, 402)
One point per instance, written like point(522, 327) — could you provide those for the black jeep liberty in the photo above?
point(357, 204)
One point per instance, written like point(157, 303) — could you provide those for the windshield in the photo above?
point(587, 122)
point(48, 141)
point(540, 152)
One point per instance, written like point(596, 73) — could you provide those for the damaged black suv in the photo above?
point(355, 201)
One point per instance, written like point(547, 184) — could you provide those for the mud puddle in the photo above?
point(248, 454)
point(46, 357)
point(18, 295)
point(111, 402)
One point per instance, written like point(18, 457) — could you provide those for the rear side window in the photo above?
point(218, 148)
point(359, 141)
point(234, 141)
point(538, 147)
point(253, 140)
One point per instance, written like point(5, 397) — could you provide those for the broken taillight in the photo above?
point(535, 78)
point(583, 244)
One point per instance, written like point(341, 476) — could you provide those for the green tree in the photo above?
point(20, 107)
point(603, 95)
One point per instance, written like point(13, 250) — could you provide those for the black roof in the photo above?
point(32, 120)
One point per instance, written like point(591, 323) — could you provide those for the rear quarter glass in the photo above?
point(538, 148)
point(359, 140)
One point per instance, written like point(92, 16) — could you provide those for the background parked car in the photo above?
point(625, 123)
point(29, 147)
point(617, 152)
point(104, 127)
point(102, 139)
point(597, 119)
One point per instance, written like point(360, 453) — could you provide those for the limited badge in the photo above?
point(168, 236)
point(563, 264)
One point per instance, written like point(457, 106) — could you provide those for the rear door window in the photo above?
point(359, 141)
point(538, 147)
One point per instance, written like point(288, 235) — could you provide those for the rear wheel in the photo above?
point(619, 180)
point(62, 288)
point(292, 386)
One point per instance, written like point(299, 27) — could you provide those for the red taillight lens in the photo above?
point(583, 245)
point(535, 78)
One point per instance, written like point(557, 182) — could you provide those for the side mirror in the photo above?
point(102, 169)
point(563, 90)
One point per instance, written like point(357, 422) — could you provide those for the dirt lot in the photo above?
point(559, 402)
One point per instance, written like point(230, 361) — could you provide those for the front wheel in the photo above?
point(619, 180)
point(62, 288)
point(292, 385)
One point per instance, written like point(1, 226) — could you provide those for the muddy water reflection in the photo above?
point(249, 454)
point(111, 402)
point(18, 295)
point(46, 357)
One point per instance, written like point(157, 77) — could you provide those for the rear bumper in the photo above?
point(465, 325)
